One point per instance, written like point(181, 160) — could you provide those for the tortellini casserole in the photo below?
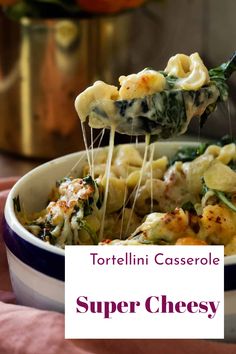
point(177, 202)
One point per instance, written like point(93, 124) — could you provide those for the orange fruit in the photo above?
point(133, 3)
point(107, 6)
point(7, 2)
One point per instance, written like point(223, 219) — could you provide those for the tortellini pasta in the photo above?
point(149, 202)
point(99, 91)
point(220, 177)
point(116, 194)
point(128, 155)
point(190, 71)
point(146, 82)
point(109, 106)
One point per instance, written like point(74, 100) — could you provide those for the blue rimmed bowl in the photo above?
point(37, 268)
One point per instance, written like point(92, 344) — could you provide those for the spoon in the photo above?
point(167, 113)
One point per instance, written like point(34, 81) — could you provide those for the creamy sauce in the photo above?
point(196, 111)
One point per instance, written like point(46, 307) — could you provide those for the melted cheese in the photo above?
point(164, 226)
point(72, 219)
point(217, 225)
point(207, 96)
point(144, 83)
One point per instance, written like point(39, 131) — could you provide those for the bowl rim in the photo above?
point(17, 227)
point(10, 215)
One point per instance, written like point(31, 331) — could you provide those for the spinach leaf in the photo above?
point(188, 206)
point(225, 200)
point(88, 209)
point(84, 225)
point(204, 190)
point(16, 204)
point(89, 180)
point(170, 80)
point(189, 153)
point(226, 139)
point(220, 74)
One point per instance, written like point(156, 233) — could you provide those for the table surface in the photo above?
point(15, 166)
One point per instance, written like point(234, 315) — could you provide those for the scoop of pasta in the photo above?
point(160, 103)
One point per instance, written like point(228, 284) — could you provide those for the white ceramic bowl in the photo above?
point(37, 268)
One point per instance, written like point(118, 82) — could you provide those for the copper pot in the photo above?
point(44, 64)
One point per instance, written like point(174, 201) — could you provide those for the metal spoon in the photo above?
point(167, 113)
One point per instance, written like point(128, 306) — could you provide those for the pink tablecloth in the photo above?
point(24, 330)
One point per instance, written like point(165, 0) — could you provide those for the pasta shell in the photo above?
point(220, 177)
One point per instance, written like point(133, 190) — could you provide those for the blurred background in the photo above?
point(46, 62)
